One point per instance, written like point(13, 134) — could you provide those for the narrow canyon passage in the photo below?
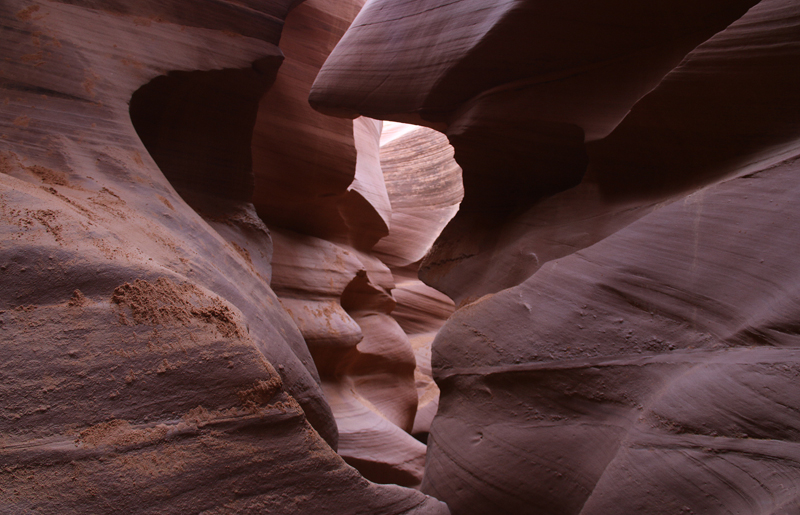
point(381, 257)
point(341, 256)
point(623, 260)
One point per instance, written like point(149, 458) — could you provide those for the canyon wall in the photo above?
point(211, 249)
point(148, 365)
point(321, 188)
point(624, 257)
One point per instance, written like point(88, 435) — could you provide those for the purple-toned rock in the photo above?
point(148, 367)
point(623, 259)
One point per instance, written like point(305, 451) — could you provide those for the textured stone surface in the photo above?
point(317, 175)
point(423, 183)
point(148, 367)
point(319, 184)
point(421, 311)
point(340, 300)
point(728, 109)
point(572, 69)
point(517, 114)
point(657, 370)
point(424, 186)
point(208, 286)
point(734, 102)
point(625, 340)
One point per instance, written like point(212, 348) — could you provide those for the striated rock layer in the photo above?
point(624, 256)
point(320, 186)
point(517, 114)
point(148, 365)
point(424, 186)
point(657, 370)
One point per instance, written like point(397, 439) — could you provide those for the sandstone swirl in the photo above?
point(148, 367)
point(624, 259)
point(320, 187)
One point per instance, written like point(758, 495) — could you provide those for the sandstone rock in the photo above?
point(421, 311)
point(571, 69)
point(379, 449)
point(517, 115)
point(319, 185)
point(659, 358)
point(423, 183)
point(424, 186)
point(733, 102)
point(207, 285)
point(310, 276)
point(643, 163)
point(157, 401)
point(379, 374)
point(623, 345)
point(316, 175)
point(148, 366)
point(340, 299)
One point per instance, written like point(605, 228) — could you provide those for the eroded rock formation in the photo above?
point(148, 367)
point(328, 207)
point(209, 260)
point(624, 255)
point(424, 185)
point(368, 326)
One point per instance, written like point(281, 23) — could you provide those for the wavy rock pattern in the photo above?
point(148, 365)
point(317, 175)
point(319, 184)
point(424, 185)
point(646, 366)
point(208, 286)
point(624, 255)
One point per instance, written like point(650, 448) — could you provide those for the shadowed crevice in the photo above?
point(198, 127)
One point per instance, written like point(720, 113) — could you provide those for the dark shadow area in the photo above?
point(380, 473)
point(198, 127)
point(422, 437)
point(730, 107)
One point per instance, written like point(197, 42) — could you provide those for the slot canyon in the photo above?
point(384, 257)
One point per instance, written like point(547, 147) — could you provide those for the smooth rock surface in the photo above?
point(314, 174)
point(572, 69)
point(623, 259)
point(424, 185)
point(656, 372)
point(208, 284)
point(320, 186)
point(148, 365)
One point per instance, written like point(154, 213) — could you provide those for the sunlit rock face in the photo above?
point(624, 257)
point(148, 366)
point(424, 185)
point(366, 318)
point(320, 186)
